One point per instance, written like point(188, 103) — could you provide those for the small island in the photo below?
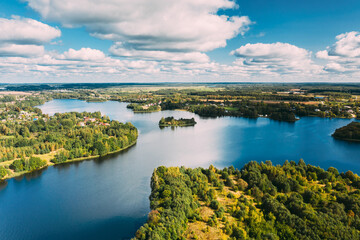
point(172, 122)
point(350, 132)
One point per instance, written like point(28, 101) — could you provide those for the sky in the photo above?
point(47, 41)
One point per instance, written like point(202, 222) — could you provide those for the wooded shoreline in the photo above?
point(49, 164)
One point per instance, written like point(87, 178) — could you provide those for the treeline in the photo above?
point(208, 110)
point(31, 164)
point(280, 112)
point(142, 108)
point(260, 201)
point(350, 132)
point(80, 94)
point(171, 121)
point(277, 111)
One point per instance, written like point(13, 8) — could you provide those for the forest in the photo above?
point(350, 132)
point(26, 145)
point(280, 112)
point(260, 201)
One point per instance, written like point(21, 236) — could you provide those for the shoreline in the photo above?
point(147, 111)
point(346, 139)
point(18, 174)
point(181, 125)
point(186, 110)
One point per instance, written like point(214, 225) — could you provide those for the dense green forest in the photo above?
point(350, 132)
point(60, 138)
point(172, 122)
point(280, 112)
point(260, 201)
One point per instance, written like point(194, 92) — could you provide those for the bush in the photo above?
point(3, 172)
point(18, 165)
point(36, 163)
point(215, 204)
point(59, 158)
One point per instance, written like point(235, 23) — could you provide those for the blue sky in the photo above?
point(162, 40)
point(308, 24)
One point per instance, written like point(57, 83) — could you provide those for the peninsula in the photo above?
point(260, 201)
point(350, 132)
point(30, 140)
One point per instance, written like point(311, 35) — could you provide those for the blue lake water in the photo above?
point(108, 198)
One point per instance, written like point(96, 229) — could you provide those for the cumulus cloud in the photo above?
point(254, 64)
point(75, 63)
point(84, 54)
point(274, 58)
point(120, 51)
point(24, 36)
point(158, 28)
point(347, 45)
point(335, 67)
point(26, 31)
point(343, 55)
point(20, 50)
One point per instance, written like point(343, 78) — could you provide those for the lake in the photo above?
point(108, 198)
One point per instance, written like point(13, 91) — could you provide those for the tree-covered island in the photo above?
point(350, 132)
point(260, 201)
point(172, 122)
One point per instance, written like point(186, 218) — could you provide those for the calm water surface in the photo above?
point(108, 198)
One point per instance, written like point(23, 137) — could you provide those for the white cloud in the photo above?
point(325, 55)
point(335, 67)
point(343, 55)
point(89, 64)
point(74, 64)
point(271, 51)
point(24, 36)
point(26, 31)
point(52, 68)
point(274, 58)
point(255, 62)
point(347, 45)
point(20, 50)
point(118, 50)
point(157, 25)
point(84, 54)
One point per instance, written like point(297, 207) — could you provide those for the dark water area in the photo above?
point(108, 198)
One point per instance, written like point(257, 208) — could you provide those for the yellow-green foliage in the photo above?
point(260, 201)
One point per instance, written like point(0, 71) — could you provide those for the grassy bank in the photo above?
point(48, 158)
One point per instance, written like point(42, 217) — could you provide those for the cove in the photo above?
point(107, 198)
